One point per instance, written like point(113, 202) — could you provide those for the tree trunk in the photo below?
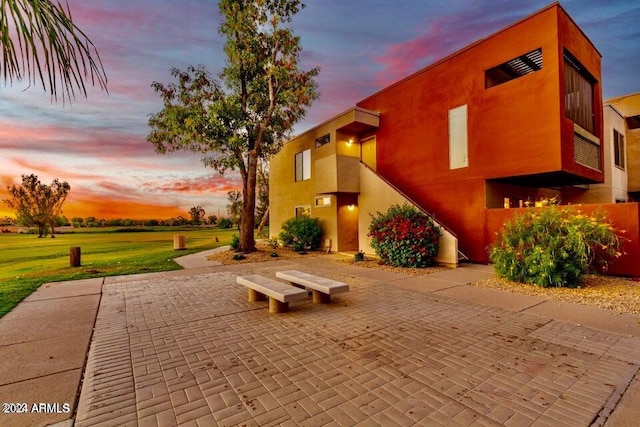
point(248, 220)
point(263, 222)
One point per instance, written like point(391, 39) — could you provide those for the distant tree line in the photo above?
point(40, 205)
point(179, 221)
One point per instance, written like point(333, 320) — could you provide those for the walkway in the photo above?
point(185, 347)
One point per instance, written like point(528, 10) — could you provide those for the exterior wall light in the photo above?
point(349, 142)
point(352, 207)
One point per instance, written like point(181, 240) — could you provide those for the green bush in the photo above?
point(553, 247)
point(225, 223)
point(301, 233)
point(235, 242)
point(404, 237)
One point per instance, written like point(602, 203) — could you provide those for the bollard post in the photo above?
point(74, 256)
point(179, 242)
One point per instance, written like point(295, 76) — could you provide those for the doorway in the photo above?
point(368, 152)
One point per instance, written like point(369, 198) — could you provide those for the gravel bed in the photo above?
point(612, 293)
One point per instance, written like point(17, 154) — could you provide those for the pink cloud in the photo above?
point(438, 39)
point(207, 184)
point(49, 170)
point(75, 141)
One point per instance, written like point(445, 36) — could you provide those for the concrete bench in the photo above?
point(321, 287)
point(280, 294)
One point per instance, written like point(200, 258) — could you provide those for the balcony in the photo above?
point(586, 149)
point(337, 174)
point(357, 120)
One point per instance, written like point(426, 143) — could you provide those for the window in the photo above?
point(323, 201)
point(458, 139)
point(514, 68)
point(303, 165)
point(578, 93)
point(324, 139)
point(618, 149)
point(303, 211)
point(621, 201)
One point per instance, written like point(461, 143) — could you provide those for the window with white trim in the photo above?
point(323, 201)
point(458, 138)
point(303, 165)
point(618, 149)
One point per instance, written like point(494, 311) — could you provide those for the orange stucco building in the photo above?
point(506, 121)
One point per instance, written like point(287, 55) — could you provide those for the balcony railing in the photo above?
point(586, 149)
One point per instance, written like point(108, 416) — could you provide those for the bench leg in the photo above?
point(296, 285)
point(319, 297)
point(256, 296)
point(276, 306)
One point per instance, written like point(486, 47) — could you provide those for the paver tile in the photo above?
point(190, 349)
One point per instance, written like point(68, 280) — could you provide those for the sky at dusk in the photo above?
point(99, 146)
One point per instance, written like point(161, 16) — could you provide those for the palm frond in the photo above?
point(51, 49)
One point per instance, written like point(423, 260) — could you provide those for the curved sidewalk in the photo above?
point(185, 347)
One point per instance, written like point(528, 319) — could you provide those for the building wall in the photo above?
point(629, 106)
point(285, 193)
point(334, 174)
point(571, 38)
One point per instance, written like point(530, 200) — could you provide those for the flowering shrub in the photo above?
point(404, 237)
point(553, 247)
point(301, 233)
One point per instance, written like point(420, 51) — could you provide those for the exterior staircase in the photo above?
point(461, 256)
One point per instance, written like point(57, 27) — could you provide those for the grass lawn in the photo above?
point(27, 262)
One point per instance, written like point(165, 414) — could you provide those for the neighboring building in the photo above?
point(503, 123)
point(621, 156)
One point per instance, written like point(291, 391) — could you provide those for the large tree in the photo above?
point(38, 204)
point(262, 194)
point(248, 114)
point(40, 42)
point(197, 215)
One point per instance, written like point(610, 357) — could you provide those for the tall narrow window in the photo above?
point(618, 149)
point(578, 93)
point(303, 165)
point(458, 139)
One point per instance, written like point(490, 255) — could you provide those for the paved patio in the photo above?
point(186, 348)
